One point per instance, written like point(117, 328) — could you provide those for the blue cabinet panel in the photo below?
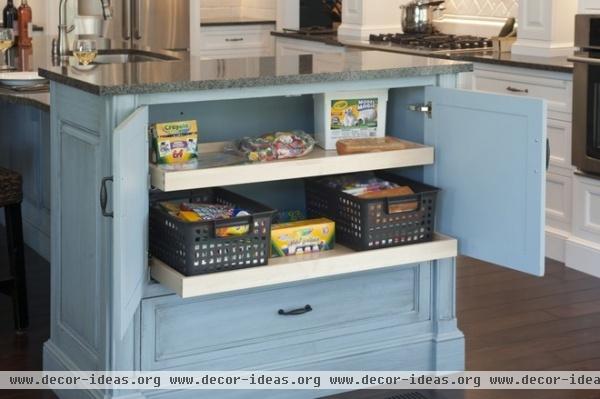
point(130, 226)
point(348, 311)
point(490, 164)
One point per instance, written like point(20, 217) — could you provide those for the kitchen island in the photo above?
point(114, 308)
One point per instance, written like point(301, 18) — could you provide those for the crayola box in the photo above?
point(305, 236)
point(175, 142)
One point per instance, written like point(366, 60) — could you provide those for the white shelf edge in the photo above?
point(319, 163)
point(339, 261)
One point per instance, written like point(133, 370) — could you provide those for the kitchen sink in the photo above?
point(127, 56)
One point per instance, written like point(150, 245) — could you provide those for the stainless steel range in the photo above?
point(432, 43)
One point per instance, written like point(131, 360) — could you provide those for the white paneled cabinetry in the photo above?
point(589, 7)
point(235, 41)
point(546, 27)
point(583, 246)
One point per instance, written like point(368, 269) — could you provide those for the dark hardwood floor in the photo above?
point(511, 321)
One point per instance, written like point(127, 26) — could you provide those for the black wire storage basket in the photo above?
point(194, 248)
point(365, 224)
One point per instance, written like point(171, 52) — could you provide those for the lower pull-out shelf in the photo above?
point(341, 260)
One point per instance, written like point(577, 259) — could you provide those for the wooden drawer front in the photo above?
point(586, 209)
point(224, 38)
point(557, 92)
point(558, 200)
point(201, 332)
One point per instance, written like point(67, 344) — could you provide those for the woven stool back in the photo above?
point(11, 187)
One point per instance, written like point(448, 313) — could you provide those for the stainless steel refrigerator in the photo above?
point(158, 24)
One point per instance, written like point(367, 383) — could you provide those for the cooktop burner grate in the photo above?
point(433, 42)
point(409, 395)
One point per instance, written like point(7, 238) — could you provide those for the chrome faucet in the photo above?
point(62, 49)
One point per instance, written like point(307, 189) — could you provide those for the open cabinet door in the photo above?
point(130, 225)
point(491, 166)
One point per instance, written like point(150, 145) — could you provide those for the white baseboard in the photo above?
point(583, 255)
point(556, 244)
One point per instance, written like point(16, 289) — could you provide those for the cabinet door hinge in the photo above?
point(425, 108)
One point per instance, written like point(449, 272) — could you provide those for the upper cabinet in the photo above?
point(589, 7)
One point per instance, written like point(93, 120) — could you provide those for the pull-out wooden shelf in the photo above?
point(341, 260)
point(317, 163)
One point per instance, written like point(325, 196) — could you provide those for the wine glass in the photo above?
point(7, 40)
point(85, 51)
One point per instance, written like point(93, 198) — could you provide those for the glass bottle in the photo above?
point(24, 22)
point(10, 15)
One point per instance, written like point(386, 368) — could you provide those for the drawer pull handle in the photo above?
point(296, 312)
point(236, 39)
point(516, 90)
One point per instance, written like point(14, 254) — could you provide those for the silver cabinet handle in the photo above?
point(136, 19)
point(584, 60)
point(517, 90)
point(236, 39)
point(126, 20)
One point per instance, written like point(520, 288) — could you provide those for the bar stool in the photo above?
point(11, 195)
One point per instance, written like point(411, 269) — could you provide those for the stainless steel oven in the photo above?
point(586, 94)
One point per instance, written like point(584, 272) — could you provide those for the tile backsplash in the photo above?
point(483, 8)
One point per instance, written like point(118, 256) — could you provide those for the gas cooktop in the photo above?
point(432, 43)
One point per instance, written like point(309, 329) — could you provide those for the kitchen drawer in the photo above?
point(348, 311)
point(559, 193)
point(559, 134)
point(586, 208)
point(236, 37)
point(248, 53)
point(558, 92)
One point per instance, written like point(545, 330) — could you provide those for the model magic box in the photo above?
point(306, 236)
point(175, 142)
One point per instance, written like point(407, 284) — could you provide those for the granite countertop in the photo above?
point(194, 73)
point(554, 64)
point(235, 21)
point(330, 39)
point(29, 60)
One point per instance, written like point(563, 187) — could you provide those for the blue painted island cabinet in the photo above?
point(116, 308)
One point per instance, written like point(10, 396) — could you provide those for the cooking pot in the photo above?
point(417, 16)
